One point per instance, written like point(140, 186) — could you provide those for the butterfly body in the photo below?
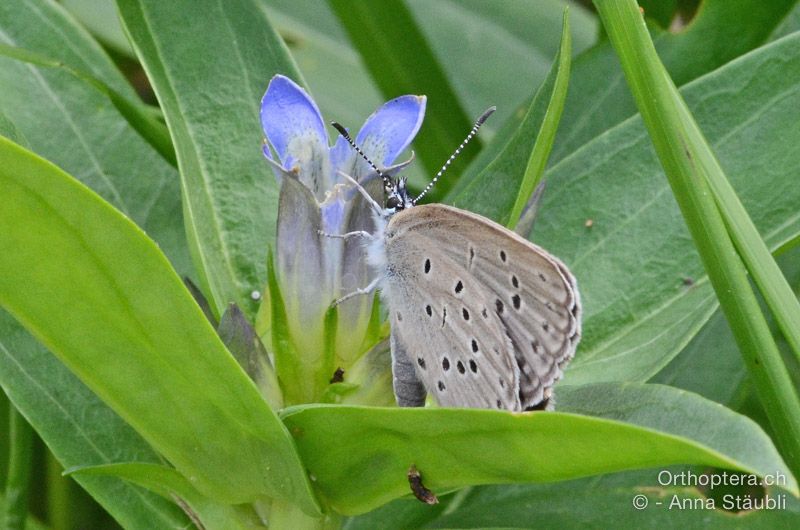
point(485, 318)
point(480, 317)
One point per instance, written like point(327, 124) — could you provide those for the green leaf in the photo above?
point(31, 523)
point(592, 503)
point(710, 365)
point(789, 24)
point(375, 29)
point(142, 118)
point(23, 25)
point(694, 174)
point(200, 411)
point(74, 125)
point(721, 31)
point(290, 372)
point(211, 108)
point(644, 290)
point(241, 340)
point(502, 188)
point(79, 428)
point(494, 52)
point(173, 486)
point(466, 37)
point(102, 20)
point(375, 447)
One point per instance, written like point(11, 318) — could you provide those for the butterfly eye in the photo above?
point(393, 202)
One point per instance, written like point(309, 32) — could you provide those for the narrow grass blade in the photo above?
point(682, 151)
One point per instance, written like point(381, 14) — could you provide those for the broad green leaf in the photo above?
point(721, 31)
point(375, 29)
point(594, 502)
point(142, 119)
point(469, 36)
point(710, 365)
point(79, 428)
point(172, 485)
point(75, 126)
point(789, 24)
point(211, 108)
point(102, 20)
point(662, 11)
point(67, 42)
point(717, 221)
point(516, 169)
point(405, 513)
point(375, 447)
point(198, 408)
point(72, 124)
point(644, 291)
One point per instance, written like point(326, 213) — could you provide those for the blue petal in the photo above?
point(391, 128)
point(332, 211)
point(287, 113)
point(340, 153)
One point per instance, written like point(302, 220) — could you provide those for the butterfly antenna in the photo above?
point(488, 112)
point(386, 181)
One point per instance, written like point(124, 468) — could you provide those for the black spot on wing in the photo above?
point(517, 301)
point(499, 306)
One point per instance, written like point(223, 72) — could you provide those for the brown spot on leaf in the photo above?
point(338, 376)
point(419, 490)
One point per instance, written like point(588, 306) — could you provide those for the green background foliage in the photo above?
point(113, 187)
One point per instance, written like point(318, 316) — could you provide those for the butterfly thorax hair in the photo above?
point(397, 196)
point(397, 200)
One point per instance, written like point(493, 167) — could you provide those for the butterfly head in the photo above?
point(397, 195)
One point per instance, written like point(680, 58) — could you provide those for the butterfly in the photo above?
point(480, 317)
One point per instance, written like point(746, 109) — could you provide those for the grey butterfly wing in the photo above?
point(532, 294)
point(443, 326)
point(408, 389)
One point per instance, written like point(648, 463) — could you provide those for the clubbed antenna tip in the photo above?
point(341, 129)
point(482, 118)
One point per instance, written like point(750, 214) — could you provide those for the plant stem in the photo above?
point(19, 471)
point(684, 154)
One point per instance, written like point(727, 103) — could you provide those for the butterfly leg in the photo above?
point(374, 205)
point(357, 233)
point(364, 290)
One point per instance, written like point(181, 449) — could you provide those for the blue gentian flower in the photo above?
point(314, 270)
